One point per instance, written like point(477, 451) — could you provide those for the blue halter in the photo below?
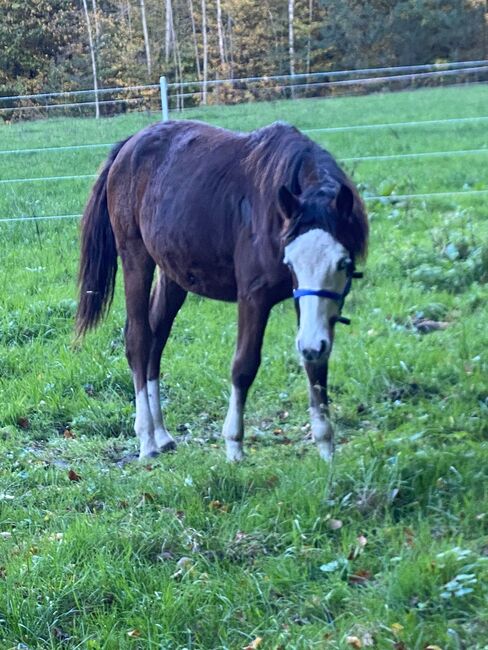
point(331, 295)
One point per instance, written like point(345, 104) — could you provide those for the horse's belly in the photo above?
point(212, 280)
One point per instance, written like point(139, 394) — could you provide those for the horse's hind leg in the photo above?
point(253, 316)
point(166, 300)
point(138, 269)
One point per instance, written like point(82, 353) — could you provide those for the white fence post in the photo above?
point(163, 83)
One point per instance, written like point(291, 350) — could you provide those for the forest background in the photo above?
point(51, 45)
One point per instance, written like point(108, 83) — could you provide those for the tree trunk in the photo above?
point(93, 59)
point(177, 64)
point(146, 39)
point(309, 41)
point(231, 46)
point(168, 29)
point(291, 41)
point(205, 52)
point(220, 32)
point(195, 44)
point(97, 24)
point(129, 18)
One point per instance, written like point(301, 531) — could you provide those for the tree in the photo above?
point(93, 59)
point(146, 39)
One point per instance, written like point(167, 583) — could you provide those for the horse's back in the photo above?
point(179, 186)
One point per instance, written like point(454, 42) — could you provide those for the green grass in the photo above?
point(84, 563)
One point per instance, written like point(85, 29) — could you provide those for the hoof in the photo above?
point(148, 455)
point(234, 451)
point(326, 451)
point(168, 446)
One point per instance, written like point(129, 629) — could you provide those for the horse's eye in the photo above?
point(344, 264)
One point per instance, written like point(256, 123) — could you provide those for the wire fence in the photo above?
point(325, 79)
point(190, 94)
point(388, 199)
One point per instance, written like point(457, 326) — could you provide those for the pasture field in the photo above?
point(386, 548)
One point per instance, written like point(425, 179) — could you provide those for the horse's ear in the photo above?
point(289, 203)
point(344, 201)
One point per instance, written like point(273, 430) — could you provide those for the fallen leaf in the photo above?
point(60, 634)
point(409, 536)
point(185, 565)
point(334, 524)
point(354, 641)
point(284, 440)
point(396, 628)
point(425, 325)
point(73, 476)
point(134, 634)
point(332, 566)
point(218, 505)
point(254, 644)
point(360, 577)
point(68, 434)
point(432, 647)
point(23, 423)
point(399, 645)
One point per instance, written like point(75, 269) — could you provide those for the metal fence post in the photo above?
point(163, 83)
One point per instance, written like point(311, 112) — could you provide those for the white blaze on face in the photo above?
point(314, 258)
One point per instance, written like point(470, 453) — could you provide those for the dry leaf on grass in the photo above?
point(254, 644)
point(367, 640)
point(134, 634)
point(73, 476)
point(354, 641)
point(360, 577)
point(425, 325)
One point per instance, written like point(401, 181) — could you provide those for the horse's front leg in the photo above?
point(253, 316)
point(322, 431)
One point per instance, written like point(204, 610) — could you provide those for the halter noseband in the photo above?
point(331, 295)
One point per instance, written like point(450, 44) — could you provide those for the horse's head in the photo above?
point(321, 266)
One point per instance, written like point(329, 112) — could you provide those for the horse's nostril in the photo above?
point(311, 354)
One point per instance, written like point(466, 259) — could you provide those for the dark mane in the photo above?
point(280, 155)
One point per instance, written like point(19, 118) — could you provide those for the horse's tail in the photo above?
point(98, 261)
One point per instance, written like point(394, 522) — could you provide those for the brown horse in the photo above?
point(230, 216)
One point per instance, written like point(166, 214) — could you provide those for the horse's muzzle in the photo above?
point(313, 355)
